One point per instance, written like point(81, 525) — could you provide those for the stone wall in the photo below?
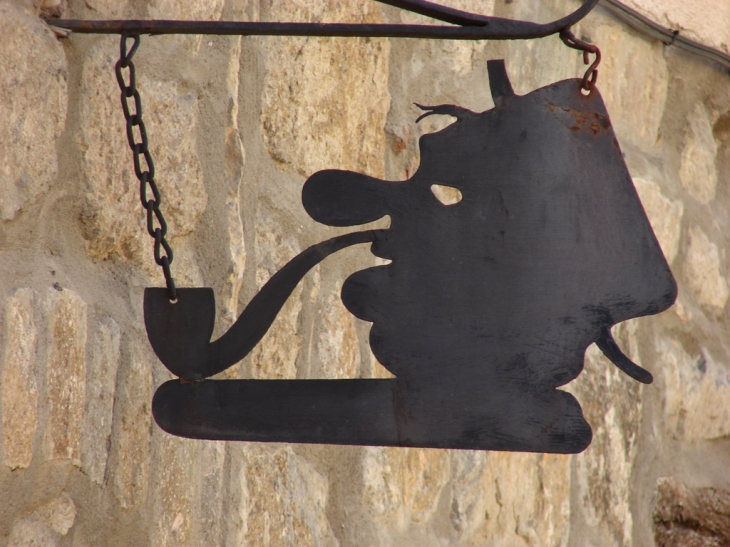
point(236, 125)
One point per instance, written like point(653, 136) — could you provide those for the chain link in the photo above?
point(589, 78)
point(156, 225)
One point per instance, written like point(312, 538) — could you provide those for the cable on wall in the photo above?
point(667, 36)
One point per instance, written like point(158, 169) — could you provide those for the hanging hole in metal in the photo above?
point(591, 75)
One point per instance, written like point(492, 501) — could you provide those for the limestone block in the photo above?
point(33, 101)
point(527, 499)
point(611, 403)
point(29, 532)
point(483, 7)
point(325, 100)
point(285, 499)
point(212, 513)
point(60, 514)
point(337, 346)
point(532, 64)
point(455, 56)
point(697, 390)
point(664, 214)
point(703, 272)
point(633, 82)
point(113, 217)
point(697, 170)
point(132, 426)
point(275, 356)
point(235, 156)
point(45, 526)
point(65, 375)
point(402, 486)
point(18, 383)
point(197, 10)
point(185, 269)
point(100, 388)
point(47, 5)
point(172, 490)
point(107, 9)
point(469, 492)
point(690, 517)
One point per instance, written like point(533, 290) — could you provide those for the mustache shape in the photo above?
point(180, 332)
point(610, 349)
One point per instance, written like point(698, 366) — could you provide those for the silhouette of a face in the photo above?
point(487, 306)
point(549, 245)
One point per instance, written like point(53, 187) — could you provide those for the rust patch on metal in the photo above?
point(581, 120)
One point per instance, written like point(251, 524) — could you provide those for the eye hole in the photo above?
point(448, 195)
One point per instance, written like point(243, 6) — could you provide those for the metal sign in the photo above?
point(487, 306)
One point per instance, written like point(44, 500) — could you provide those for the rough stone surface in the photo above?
point(325, 100)
point(697, 171)
point(198, 10)
point(235, 125)
point(664, 214)
point(703, 272)
point(113, 216)
point(469, 497)
point(173, 495)
point(633, 83)
point(526, 499)
point(403, 486)
point(691, 517)
point(100, 384)
point(234, 163)
point(133, 422)
point(59, 514)
point(612, 405)
point(19, 403)
point(45, 526)
point(285, 500)
point(66, 374)
point(33, 98)
point(697, 391)
point(106, 8)
point(31, 532)
point(337, 345)
point(276, 354)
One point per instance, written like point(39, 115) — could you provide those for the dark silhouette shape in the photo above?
point(487, 306)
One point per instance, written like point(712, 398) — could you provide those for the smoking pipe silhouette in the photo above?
point(487, 306)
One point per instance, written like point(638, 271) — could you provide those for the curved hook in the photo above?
point(496, 25)
point(589, 78)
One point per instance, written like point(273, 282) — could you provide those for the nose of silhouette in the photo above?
point(344, 198)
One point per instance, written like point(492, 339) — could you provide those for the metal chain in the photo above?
point(141, 149)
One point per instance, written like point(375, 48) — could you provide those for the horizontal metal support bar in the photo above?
point(489, 32)
point(476, 27)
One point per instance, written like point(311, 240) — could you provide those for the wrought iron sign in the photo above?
point(487, 305)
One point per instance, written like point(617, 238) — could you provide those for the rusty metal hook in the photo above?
point(589, 78)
